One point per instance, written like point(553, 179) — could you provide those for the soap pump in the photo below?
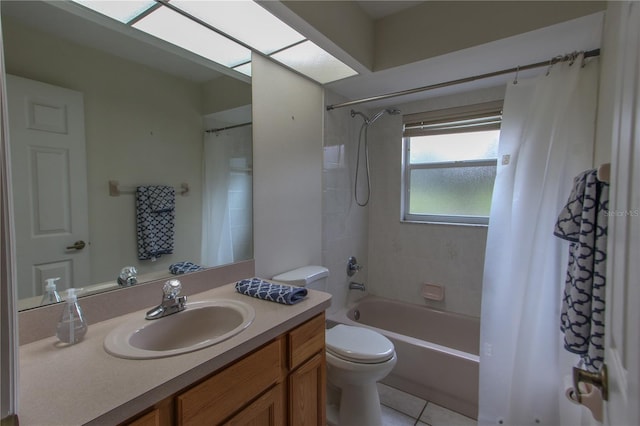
point(72, 326)
point(50, 294)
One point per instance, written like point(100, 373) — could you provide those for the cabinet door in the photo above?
point(215, 399)
point(160, 415)
point(307, 395)
point(268, 410)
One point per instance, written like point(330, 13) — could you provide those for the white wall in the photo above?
point(345, 224)
point(404, 256)
point(287, 170)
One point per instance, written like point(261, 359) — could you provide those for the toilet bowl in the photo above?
point(357, 358)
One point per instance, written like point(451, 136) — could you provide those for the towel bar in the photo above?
point(115, 189)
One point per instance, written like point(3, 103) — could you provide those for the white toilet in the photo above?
point(357, 358)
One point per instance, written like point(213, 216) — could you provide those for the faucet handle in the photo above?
point(171, 289)
point(353, 266)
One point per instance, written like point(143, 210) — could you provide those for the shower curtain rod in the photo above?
point(554, 60)
point(220, 129)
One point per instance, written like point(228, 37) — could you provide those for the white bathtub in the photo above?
point(437, 351)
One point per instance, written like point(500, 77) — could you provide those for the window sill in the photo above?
point(421, 222)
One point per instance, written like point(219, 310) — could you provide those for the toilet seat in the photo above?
point(358, 344)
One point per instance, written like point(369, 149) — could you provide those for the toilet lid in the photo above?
point(358, 344)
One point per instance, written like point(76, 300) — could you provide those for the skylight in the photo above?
point(314, 62)
point(239, 26)
point(170, 26)
point(246, 21)
point(123, 11)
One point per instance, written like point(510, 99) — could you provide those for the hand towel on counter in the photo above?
point(265, 290)
point(184, 267)
point(155, 217)
point(583, 222)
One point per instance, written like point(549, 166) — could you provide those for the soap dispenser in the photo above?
point(72, 326)
point(50, 294)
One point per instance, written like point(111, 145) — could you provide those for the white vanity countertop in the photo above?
point(82, 383)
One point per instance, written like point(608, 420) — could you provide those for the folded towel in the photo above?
point(184, 267)
point(155, 221)
point(161, 198)
point(265, 290)
point(583, 222)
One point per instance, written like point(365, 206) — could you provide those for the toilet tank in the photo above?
point(314, 277)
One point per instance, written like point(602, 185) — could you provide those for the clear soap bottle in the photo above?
point(72, 326)
point(50, 294)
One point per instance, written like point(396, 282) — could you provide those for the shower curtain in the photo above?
point(546, 139)
point(223, 151)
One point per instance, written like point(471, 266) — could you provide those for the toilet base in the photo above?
point(360, 405)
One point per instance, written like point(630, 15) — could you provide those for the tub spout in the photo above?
point(357, 286)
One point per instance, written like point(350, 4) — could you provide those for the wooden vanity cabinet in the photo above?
point(281, 383)
point(307, 373)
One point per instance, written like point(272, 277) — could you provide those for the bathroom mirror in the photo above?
point(147, 106)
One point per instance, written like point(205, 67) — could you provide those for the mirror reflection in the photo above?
point(95, 114)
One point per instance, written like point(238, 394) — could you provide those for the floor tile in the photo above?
point(401, 401)
point(391, 417)
point(436, 415)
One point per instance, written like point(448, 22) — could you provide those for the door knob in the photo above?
point(599, 380)
point(78, 245)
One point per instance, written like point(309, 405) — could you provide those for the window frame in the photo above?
point(433, 123)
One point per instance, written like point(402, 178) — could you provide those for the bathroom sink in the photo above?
point(200, 325)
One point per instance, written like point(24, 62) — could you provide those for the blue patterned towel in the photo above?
point(155, 217)
point(184, 267)
point(265, 290)
point(583, 222)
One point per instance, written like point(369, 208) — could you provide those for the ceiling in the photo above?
point(534, 46)
point(380, 9)
point(527, 48)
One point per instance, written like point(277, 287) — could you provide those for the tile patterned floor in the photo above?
point(402, 409)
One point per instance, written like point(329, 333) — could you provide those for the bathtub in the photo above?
point(437, 351)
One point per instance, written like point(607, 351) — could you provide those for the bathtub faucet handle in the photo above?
point(353, 266)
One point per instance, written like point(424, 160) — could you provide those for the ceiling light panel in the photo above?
point(245, 21)
point(244, 69)
point(171, 26)
point(314, 62)
point(123, 11)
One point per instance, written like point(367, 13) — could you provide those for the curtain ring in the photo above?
point(515, 79)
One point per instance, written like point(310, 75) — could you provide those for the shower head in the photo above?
point(367, 120)
point(390, 111)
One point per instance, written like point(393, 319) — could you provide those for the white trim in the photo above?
point(8, 291)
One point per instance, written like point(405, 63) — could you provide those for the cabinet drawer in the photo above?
point(218, 397)
point(306, 341)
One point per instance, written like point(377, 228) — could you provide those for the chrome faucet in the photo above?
point(357, 286)
point(171, 303)
point(352, 266)
point(128, 276)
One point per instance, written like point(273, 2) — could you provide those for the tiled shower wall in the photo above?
point(405, 256)
point(344, 228)
point(398, 258)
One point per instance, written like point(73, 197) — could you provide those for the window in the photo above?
point(449, 162)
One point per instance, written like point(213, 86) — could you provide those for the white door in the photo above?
point(622, 344)
point(49, 179)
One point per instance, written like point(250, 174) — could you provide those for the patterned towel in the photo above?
point(256, 287)
point(184, 267)
point(583, 222)
point(155, 216)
